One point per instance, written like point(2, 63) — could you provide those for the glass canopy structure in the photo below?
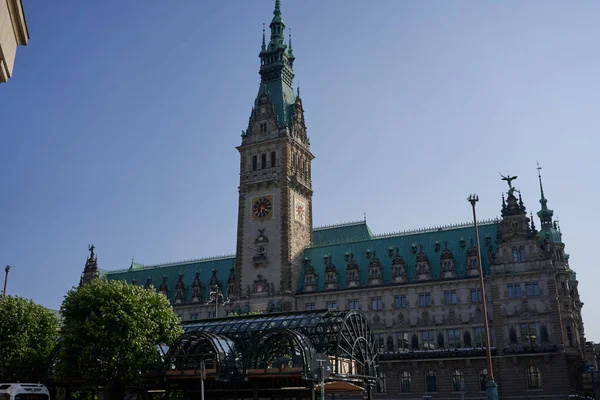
point(302, 344)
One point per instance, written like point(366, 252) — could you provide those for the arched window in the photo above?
point(522, 253)
point(483, 378)
point(430, 382)
point(440, 340)
point(414, 341)
point(263, 161)
point(544, 334)
point(254, 163)
point(405, 382)
point(467, 339)
point(457, 381)
point(534, 378)
point(273, 159)
point(515, 254)
point(513, 336)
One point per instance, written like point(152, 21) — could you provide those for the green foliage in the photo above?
point(111, 330)
point(27, 335)
point(239, 313)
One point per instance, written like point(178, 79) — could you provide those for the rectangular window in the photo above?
point(528, 334)
point(211, 314)
point(450, 297)
point(427, 340)
point(380, 342)
point(309, 306)
point(475, 295)
point(532, 289)
point(376, 303)
point(332, 304)
point(402, 339)
point(514, 290)
point(425, 299)
point(400, 301)
point(570, 336)
point(353, 304)
point(479, 337)
point(454, 339)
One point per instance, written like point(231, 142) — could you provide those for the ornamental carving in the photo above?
point(451, 318)
point(260, 247)
point(331, 274)
point(180, 290)
point(196, 289)
point(375, 270)
point(400, 321)
point(164, 288)
point(352, 271)
point(261, 285)
point(231, 282)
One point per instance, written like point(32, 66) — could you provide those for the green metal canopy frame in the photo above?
point(234, 346)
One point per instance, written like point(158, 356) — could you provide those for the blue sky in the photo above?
point(120, 123)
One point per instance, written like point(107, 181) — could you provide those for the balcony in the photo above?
point(469, 352)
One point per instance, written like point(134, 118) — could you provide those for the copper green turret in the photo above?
point(276, 70)
point(548, 232)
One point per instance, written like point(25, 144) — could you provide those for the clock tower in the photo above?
point(275, 192)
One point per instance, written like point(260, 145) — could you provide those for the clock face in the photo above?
point(299, 211)
point(262, 207)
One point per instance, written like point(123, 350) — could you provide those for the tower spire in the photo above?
point(543, 199)
point(264, 44)
point(548, 231)
point(290, 51)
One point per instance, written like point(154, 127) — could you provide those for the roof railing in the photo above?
point(342, 225)
point(171, 264)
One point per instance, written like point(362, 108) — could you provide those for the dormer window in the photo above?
point(263, 127)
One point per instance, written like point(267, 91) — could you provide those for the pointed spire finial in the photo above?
point(277, 10)
point(290, 51)
point(540, 178)
point(264, 44)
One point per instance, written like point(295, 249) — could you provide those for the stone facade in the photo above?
point(419, 289)
point(13, 33)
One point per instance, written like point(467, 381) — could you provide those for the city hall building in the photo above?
point(419, 290)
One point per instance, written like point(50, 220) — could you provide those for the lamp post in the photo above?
point(215, 293)
point(6, 269)
point(492, 388)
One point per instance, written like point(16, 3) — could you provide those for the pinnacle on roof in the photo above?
point(548, 232)
point(545, 213)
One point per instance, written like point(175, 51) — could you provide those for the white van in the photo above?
point(23, 391)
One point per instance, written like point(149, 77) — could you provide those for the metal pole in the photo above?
point(488, 350)
point(593, 385)
point(322, 379)
point(216, 303)
point(6, 269)
point(202, 371)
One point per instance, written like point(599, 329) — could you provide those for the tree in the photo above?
point(111, 331)
point(27, 335)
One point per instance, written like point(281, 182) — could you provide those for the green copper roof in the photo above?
point(140, 273)
point(276, 71)
point(458, 240)
point(342, 233)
